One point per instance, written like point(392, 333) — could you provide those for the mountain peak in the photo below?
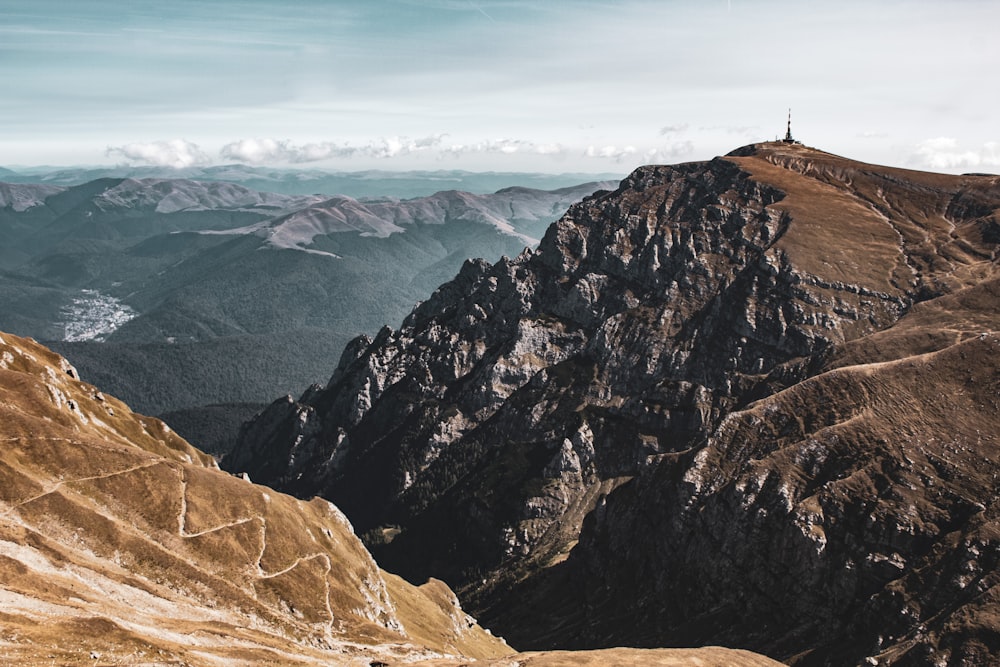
point(529, 409)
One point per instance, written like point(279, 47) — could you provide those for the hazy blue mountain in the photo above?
point(176, 294)
point(370, 183)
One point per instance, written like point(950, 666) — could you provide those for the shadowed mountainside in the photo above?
point(122, 544)
point(750, 401)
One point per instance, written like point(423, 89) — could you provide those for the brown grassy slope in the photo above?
point(870, 238)
point(889, 230)
point(122, 544)
point(119, 538)
point(624, 657)
point(888, 468)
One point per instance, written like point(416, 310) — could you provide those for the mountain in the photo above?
point(121, 541)
point(178, 294)
point(21, 209)
point(20, 198)
point(369, 183)
point(749, 402)
point(122, 544)
point(83, 237)
point(71, 255)
point(318, 276)
point(514, 211)
point(113, 208)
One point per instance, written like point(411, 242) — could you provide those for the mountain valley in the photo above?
point(179, 294)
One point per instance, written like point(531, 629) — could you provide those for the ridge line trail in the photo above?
point(298, 561)
point(182, 515)
point(868, 367)
point(54, 487)
point(261, 572)
point(904, 256)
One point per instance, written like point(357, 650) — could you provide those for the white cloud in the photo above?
point(505, 147)
point(387, 147)
point(549, 149)
point(610, 152)
point(674, 129)
point(314, 152)
point(945, 154)
point(671, 152)
point(176, 153)
point(261, 151)
point(668, 153)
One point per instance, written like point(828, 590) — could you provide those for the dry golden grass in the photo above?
point(622, 657)
point(846, 226)
point(122, 544)
point(118, 538)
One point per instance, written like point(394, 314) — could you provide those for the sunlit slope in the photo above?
point(118, 538)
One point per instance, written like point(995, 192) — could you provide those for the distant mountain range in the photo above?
point(753, 402)
point(371, 183)
point(177, 294)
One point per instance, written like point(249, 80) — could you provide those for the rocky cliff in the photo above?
point(749, 401)
point(122, 544)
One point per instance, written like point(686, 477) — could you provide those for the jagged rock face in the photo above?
point(120, 542)
point(686, 362)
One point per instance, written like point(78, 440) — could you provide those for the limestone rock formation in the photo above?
point(750, 401)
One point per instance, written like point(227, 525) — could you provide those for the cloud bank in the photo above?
point(180, 153)
point(176, 153)
point(264, 151)
point(505, 147)
point(944, 153)
point(668, 153)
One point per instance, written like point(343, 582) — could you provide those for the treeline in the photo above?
point(212, 428)
point(154, 378)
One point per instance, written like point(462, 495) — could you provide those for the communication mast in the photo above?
point(788, 132)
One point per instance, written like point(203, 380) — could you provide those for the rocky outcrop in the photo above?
point(703, 411)
point(122, 544)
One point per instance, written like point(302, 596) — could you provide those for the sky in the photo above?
point(495, 85)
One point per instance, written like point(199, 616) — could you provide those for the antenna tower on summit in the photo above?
point(788, 132)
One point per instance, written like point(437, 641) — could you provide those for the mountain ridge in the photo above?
point(116, 524)
point(166, 301)
point(370, 183)
point(594, 377)
point(122, 544)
